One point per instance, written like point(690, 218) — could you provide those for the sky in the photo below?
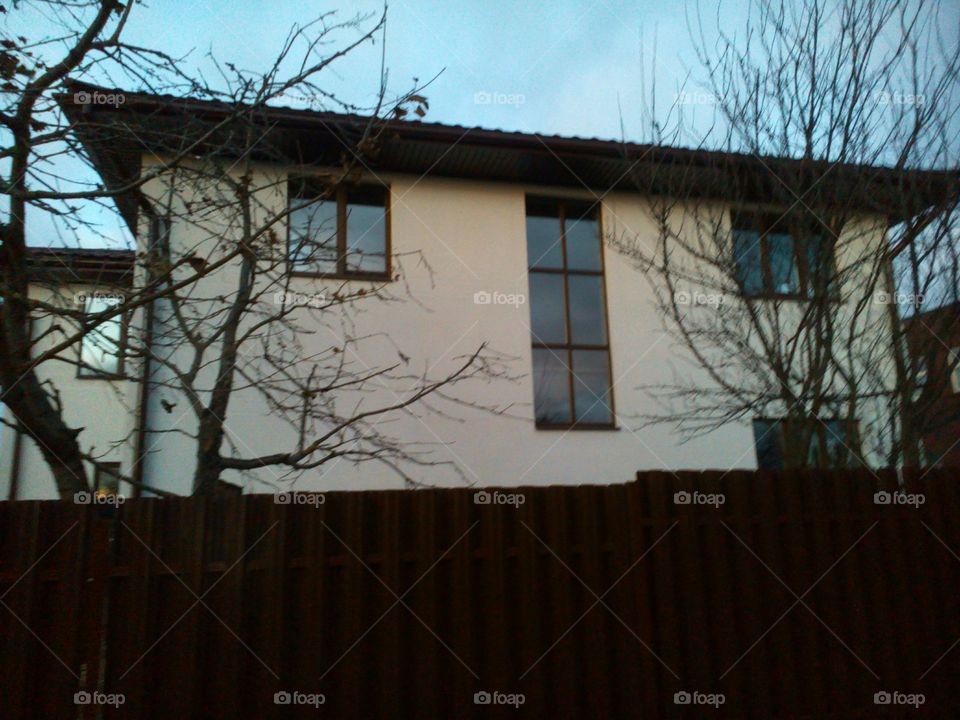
point(569, 67)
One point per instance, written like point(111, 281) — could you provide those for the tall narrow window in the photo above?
point(568, 319)
point(340, 233)
point(101, 346)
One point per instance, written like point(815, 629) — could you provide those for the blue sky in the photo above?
point(570, 67)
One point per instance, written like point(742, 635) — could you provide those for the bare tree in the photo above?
point(171, 302)
point(784, 260)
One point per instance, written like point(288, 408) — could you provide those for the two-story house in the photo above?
point(471, 237)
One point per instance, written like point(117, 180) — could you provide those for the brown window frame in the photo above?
point(92, 374)
point(341, 196)
point(568, 348)
point(766, 224)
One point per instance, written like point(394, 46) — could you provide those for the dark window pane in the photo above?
point(591, 386)
point(586, 310)
point(819, 265)
point(107, 478)
point(551, 386)
point(100, 348)
point(547, 312)
point(767, 440)
point(544, 249)
point(583, 243)
point(783, 263)
point(746, 257)
point(837, 443)
point(366, 234)
point(313, 236)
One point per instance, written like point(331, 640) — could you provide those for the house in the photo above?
point(934, 340)
point(497, 237)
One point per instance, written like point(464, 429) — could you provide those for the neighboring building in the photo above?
point(934, 340)
point(494, 215)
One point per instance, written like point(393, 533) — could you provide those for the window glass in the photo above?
point(747, 258)
point(955, 375)
point(107, 478)
point(366, 235)
point(551, 386)
point(313, 236)
point(583, 243)
point(591, 386)
point(820, 265)
point(319, 244)
point(547, 308)
point(587, 325)
point(783, 264)
point(544, 249)
point(100, 347)
point(768, 443)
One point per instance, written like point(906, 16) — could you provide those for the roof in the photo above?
point(81, 265)
point(117, 135)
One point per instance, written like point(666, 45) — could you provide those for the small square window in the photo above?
point(339, 233)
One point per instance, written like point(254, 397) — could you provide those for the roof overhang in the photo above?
point(117, 136)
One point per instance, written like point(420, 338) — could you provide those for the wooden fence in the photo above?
point(765, 595)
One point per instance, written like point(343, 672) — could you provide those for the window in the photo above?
point(106, 479)
point(774, 258)
point(831, 443)
point(568, 320)
point(101, 347)
point(343, 233)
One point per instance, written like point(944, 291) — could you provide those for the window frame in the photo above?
point(766, 224)
point(84, 372)
point(341, 196)
point(564, 351)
